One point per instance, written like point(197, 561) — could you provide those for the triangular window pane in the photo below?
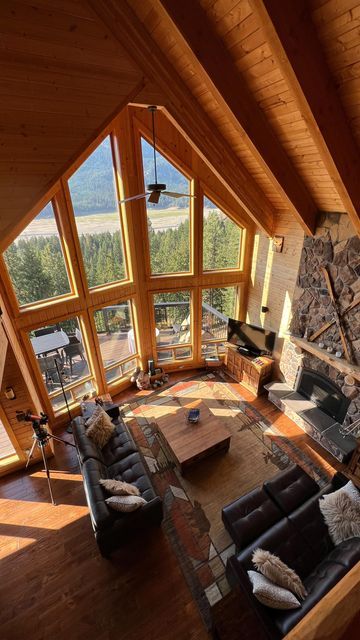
point(95, 204)
point(221, 239)
point(169, 220)
point(35, 260)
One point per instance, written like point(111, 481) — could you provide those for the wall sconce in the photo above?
point(10, 393)
point(264, 309)
point(277, 244)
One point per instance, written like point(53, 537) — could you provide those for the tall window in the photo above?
point(169, 220)
point(115, 330)
point(221, 239)
point(35, 260)
point(62, 360)
point(95, 204)
point(173, 325)
point(218, 304)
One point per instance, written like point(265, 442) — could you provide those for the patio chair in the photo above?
point(48, 367)
point(72, 351)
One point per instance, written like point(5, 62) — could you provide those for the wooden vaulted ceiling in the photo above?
point(268, 92)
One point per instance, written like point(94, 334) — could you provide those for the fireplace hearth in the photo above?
point(327, 396)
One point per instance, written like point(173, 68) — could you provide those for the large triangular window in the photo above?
point(221, 239)
point(169, 220)
point(95, 203)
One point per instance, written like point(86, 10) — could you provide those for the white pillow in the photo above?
point(351, 491)
point(125, 503)
point(270, 594)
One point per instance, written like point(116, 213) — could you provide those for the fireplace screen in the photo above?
point(324, 393)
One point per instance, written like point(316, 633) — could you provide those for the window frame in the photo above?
point(18, 308)
point(91, 377)
point(242, 240)
point(112, 134)
point(133, 356)
point(217, 341)
point(143, 132)
point(176, 346)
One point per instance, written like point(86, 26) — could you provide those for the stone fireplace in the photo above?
point(337, 248)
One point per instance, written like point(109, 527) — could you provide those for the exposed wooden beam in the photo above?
point(212, 60)
point(293, 39)
point(186, 111)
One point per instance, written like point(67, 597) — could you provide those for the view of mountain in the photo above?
point(92, 185)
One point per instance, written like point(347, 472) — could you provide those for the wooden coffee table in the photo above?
point(188, 442)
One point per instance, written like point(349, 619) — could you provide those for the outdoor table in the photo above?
point(49, 342)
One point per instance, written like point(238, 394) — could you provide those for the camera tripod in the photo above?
point(41, 438)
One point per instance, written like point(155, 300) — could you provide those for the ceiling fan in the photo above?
point(156, 189)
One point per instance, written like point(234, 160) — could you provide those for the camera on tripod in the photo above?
point(37, 422)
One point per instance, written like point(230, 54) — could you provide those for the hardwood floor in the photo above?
point(54, 583)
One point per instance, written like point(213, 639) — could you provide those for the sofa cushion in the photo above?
point(310, 524)
point(120, 445)
point(346, 553)
point(317, 584)
point(283, 540)
point(249, 516)
point(290, 488)
point(101, 516)
point(131, 469)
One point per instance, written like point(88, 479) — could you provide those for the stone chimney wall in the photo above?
point(337, 248)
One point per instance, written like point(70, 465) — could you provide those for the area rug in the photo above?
point(192, 504)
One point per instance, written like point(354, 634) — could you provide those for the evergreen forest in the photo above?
point(37, 267)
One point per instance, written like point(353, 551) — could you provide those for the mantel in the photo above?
point(338, 363)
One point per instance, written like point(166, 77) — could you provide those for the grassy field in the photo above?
point(161, 219)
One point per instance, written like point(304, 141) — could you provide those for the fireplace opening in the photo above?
point(326, 395)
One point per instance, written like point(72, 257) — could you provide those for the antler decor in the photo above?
point(337, 317)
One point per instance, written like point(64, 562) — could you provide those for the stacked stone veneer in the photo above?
point(336, 247)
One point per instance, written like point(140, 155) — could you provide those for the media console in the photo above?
point(251, 371)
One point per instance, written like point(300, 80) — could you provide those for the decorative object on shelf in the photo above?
point(143, 381)
point(10, 393)
point(321, 345)
point(264, 309)
point(338, 354)
point(278, 244)
point(330, 349)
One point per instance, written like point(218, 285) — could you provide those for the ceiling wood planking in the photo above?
point(211, 58)
point(185, 112)
point(287, 27)
point(62, 74)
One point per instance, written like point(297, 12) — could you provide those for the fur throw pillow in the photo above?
point(270, 594)
point(101, 430)
point(125, 504)
point(277, 571)
point(98, 411)
point(119, 488)
point(341, 514)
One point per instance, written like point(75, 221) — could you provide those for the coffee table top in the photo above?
point(187, 440)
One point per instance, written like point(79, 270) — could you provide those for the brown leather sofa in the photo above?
point(284, 518)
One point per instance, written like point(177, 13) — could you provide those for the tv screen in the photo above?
point(256, 339)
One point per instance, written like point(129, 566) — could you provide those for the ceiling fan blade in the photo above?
point(173, 194)
point(142, 195)
point(154, 197)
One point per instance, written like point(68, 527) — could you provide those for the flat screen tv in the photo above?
point(249, 338)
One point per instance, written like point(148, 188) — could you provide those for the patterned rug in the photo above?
point(192, 504)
